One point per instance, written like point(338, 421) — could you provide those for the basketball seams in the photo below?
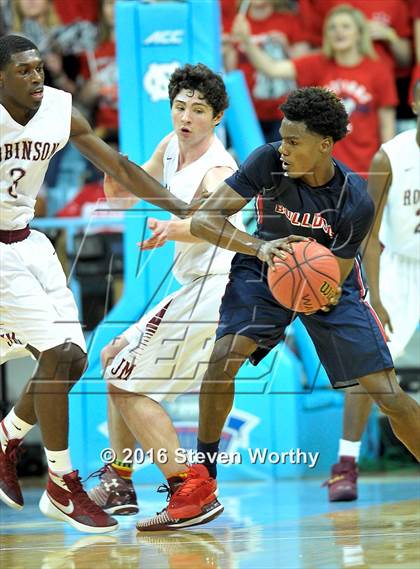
point(307, 262)
point(305, 282)
point(289, 272)
point(285, 266)
point(309, 244)
point(314, 258)
point(299, 283)
point(303, 277)
point(326, 275)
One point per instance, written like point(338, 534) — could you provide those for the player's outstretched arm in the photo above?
point(130, 176)
point(211, 223)
point(180, 230)
point(117, 196)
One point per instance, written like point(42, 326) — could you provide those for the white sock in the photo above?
point(59, 461)
point(15, 428)
point(349, 448)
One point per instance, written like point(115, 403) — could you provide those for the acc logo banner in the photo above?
point(165, 37)
point(156, 79)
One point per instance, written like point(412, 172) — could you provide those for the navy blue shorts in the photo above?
point(349, 339)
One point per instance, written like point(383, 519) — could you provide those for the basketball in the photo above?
point(306, 280)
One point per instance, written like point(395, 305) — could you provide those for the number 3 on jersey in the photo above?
point(16, 174)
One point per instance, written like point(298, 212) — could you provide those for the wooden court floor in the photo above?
point(280, 525)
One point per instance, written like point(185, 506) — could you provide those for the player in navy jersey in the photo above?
point(300, 190)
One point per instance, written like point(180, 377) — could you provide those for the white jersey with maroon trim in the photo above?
point(193, 260)
point(400, 229)
point(25, 153)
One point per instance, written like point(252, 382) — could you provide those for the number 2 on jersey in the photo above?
point(16, 174)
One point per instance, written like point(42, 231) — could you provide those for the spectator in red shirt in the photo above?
point(347, 66)
point(99, 92)
point(277, 31)
point(389, 25)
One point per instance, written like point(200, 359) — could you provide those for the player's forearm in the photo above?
point(131, 177)
point(218, 230)
point(371, 262)
point(140, 184)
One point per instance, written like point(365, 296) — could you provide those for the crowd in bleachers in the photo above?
point(300, 32)
point(77, 42)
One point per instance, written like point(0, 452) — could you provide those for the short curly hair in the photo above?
point(11, 44)
point(321, 110)
point(200, 78)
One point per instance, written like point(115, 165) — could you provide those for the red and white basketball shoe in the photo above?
point(196, 491)
point(66, 500)
point(163, 521)
point(193, 503)
point(10, 492)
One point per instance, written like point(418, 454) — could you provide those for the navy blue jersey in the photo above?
point(338, 214)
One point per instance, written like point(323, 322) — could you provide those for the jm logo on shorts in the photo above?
point(123, 370)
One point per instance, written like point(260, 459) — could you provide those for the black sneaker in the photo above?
point(114, 494)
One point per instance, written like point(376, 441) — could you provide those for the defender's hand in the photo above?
point(159, 234)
